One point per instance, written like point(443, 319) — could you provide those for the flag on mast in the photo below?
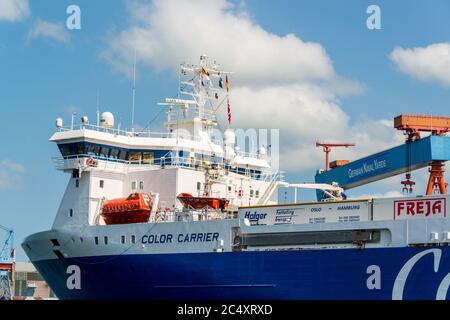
point(229, 111)
point(228, 100)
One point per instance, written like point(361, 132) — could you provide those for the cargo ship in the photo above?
point(183, 215)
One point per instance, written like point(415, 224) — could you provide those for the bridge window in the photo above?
point(105, 239)
point(77, 183)
point(65, 150)
point(257, 194)
point(123, 155)
point(79, 149)
point(122, 239)
point(71, 213)
point(114, 153)
point(96, 240)
point(134, 157)
point(148, 157)
point(251, 193)
point(199, 186)
point(133, 238)
point(141, 185)
point(102, 183)
point(104, 151)
point(133, 185)
point(93, 150)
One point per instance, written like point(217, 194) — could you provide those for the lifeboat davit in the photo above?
point(198, 203)
point(134, 209)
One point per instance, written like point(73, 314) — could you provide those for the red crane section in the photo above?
point(327, 149)
point(413, 125)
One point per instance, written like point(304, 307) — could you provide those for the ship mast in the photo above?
point(201, 93)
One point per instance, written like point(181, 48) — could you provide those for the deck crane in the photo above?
point(327, 149)
point(7, 260)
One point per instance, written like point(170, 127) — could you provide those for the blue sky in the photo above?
point(42, 78)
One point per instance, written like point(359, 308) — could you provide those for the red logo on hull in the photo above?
point(419, 208)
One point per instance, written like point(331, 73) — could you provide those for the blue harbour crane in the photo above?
point(417, 152)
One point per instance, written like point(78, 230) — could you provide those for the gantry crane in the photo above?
point(7, 260)
point(418, 152)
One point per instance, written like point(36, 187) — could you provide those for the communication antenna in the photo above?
point(73, 116)
point(134, 92)
point(98, 109)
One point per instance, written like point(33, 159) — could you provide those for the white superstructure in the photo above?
point(106, 162)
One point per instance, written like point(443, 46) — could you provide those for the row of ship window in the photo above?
point(77, 149)
point(73, 150)
point(101, 184)
point(123, 239)
point(134, 185)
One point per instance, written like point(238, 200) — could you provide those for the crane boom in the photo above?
point(388, 163)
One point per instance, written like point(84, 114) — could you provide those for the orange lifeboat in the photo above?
point(197, 203)
point(134, 209)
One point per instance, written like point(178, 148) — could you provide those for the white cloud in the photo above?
point(11, 175)
point(279, 81)
point(166, 33)
point(55, 31)
point(14, 10)
point(431, 63)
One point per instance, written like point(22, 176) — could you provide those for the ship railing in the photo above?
point(154, 134)
point(248, 154)
point(80, 161)
point(274, 181)
point(277, 176)
point(141, 134)
point(101, 163)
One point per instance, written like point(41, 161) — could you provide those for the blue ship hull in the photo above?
point(277, 275)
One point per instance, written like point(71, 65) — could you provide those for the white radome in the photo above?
point(85, 120)
point(262, 151)
point(59, 123)
point(107, 120)
point(229, 137)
